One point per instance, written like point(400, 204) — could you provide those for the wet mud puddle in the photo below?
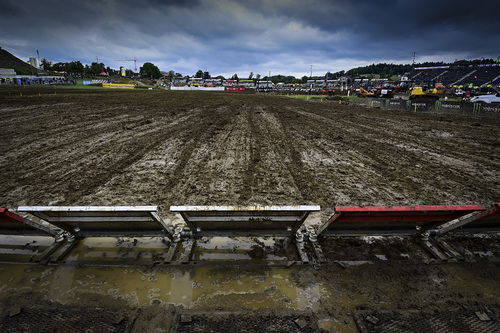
point(196, 287)
point(220, 286)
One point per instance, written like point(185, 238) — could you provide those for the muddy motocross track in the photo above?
point(148, 147)
point(97, 147)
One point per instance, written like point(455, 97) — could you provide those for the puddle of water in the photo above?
point(22, 248)
point(199, 288)
point(204, 288)
point(144, 250)
point(96, 249)
point(221, 255)
point(236, 248)
point(21, 240)
point(25, 252)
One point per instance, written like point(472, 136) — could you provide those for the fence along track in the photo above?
point(441, 107)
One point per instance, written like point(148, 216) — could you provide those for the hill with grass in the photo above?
point(8, 60)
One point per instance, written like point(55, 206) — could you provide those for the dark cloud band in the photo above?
point(227, 36)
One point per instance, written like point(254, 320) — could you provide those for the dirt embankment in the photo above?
point(147, 147)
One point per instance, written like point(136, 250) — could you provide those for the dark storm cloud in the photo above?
point(226, 36)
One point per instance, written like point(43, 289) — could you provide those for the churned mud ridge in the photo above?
point(393, 163)
point(164, 148)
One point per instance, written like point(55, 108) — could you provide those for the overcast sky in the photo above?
point(224, 37)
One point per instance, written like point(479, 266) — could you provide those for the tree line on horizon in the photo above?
point(151, 71)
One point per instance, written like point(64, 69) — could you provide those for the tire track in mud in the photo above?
point(97, 164)
point(182, 184)
point(190, 168)
point(304, 180)
point(416, 127)
point(139, 148)
point(389, 170)
point(69, 124)
point(406, 144)
point(273, 180)
point(240, 149)
point(383, 160)
point(205, 170)
point(71, 138)
point(249, 182)
point(336, 179)
point(430, 144)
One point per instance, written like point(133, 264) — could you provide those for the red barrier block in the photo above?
point(391, 219)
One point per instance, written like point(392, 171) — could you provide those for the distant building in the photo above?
point(265, 84)
point(195, 81)
point(179, 81)
point(34, 62)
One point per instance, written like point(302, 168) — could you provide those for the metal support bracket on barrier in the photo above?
point(461, 221)
point(174, 244)
point(188, 245)
point(58, 241)
point(71, 242)
point(313, 239)
point(449, 250)
point(244, 221)
point(299, 242)
point(17, 225)
point(441, 247)
point(433, 249)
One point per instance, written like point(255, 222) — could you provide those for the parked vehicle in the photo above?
point(427, 92)
point(488, 99)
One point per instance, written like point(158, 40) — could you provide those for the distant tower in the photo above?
point(413, 58)
point(34, 62)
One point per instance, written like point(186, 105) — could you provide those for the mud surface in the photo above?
point(465, 319)
point(246, 323)
point(148, 147)
point(153, 299)
point(159, 148)
point(56, 318)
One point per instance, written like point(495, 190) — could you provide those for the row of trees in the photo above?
point(148, 70)
point(94, 68)
point(151, 71)
point(387, 70)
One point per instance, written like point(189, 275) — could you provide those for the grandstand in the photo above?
point(483, 75)
point(464, 76)
point(421, 74)
point(455, 75)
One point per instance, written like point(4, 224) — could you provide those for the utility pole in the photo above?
point(310, 76)
point(413, 58)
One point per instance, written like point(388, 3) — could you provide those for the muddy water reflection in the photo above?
point(220, 287)
point(197, 287)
